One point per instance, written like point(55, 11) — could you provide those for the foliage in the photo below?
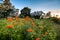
point(48, 14)
point(38, 14)
point(26, 29)
point(56, 20)
point(25, 12)
point(5, 12)
point(57, 26)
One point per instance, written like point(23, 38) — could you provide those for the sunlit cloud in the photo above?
point(55, 13)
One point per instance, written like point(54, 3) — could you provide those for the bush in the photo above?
point(26, 29)
point(56, 20)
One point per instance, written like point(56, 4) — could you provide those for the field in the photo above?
point(28, 29)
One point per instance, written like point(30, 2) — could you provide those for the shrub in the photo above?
point(56, 20)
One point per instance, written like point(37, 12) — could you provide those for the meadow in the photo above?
point(28, 29)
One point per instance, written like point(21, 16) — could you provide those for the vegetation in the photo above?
point(4, 12)
point(57, 26)
point(25, 12)
point(48, 14)
point(27, 29)
point(56, 20)
point(38, 15)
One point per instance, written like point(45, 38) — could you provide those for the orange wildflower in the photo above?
point(9, 19)
point(46, 32)
point(33, 24)
point(43, 35)
point(30, 30)
point(28, 18)
point(37, 38)
point(10, 26)
point(16, 16)
point(18, 19)
point(24, 21)
point(15, 23)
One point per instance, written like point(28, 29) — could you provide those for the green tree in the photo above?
point(4, 13)
point(25, 12)
point(2, 9)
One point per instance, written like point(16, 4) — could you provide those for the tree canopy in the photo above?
point(25, 12)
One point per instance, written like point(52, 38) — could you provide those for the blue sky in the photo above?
point(37, 5)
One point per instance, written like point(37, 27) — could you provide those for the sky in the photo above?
point(37, 5)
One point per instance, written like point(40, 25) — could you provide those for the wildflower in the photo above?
point(15, 23)
point(30, 30)
point(18, 19)
point(28, 18)
point(37, 38)
point(9, 19)
point(43, 35)
point(46, 32)
point(33, 24)
point(24, 21)
point(10, 26)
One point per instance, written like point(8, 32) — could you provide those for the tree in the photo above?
point(6, 9)
point(5, 14)
point(49, 13)
point(38, 14)
point(2, 10)
point(25, 12)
